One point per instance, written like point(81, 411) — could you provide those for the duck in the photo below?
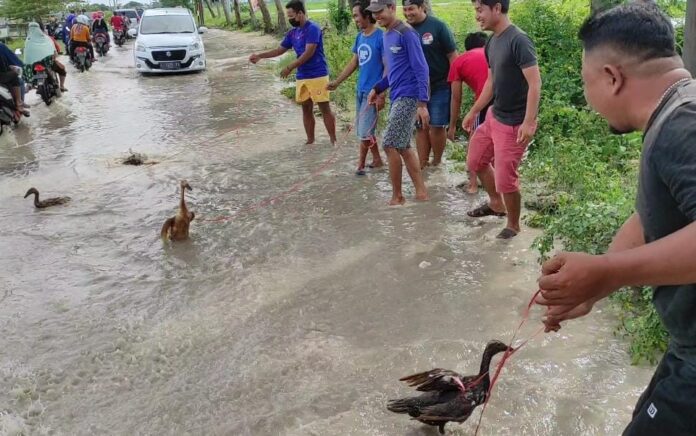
point(447, 396)
point(41, 204)
point(177, 227)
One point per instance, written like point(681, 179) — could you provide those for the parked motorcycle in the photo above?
point(46, 83)
point(82, 60)
point(119, 37)
point(101, 44)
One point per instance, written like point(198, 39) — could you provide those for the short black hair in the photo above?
point(635, 28)
point(72, 11)
point(297, 6)
point(504, 4)
point(363, 4)
point(475, 40)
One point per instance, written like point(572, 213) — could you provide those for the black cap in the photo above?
point(378, 5)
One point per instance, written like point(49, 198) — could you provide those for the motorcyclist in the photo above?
point(10, 79)
point(69, 21)
point(40, 47)
point(100, 26)
point(80, 37)
point(117, 24)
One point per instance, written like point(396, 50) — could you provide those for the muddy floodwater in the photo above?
point(300, 298)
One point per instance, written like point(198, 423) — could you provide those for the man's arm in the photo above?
point(630, 235)
point(452, 56)
point(349, 69)
point(455, 107)
point(254, 58)
point(528, 127)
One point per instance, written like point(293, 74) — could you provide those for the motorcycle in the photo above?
point(82, 60)
point(119, 37)
point(101, 45)
point(46, 83)
point(8, 110)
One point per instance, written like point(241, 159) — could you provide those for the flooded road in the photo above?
point(291, 317)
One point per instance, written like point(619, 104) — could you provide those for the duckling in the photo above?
point(45, 203)
point(448, 396)
point(177, 227)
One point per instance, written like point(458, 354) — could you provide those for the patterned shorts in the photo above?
point(402, 117)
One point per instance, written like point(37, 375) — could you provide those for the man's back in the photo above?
point(471, 68)
point(80, 33)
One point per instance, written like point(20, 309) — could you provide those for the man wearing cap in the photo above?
point(408, 79)
point(440, 51)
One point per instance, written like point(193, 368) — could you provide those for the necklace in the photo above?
point(672, 87)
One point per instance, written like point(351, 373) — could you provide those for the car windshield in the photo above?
point(131, 14)
point(167, 24)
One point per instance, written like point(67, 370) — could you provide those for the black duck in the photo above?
point(448, 396)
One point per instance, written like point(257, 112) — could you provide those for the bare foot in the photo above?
point(424, 165)
point(472, 189)
point(397, 201)
point(435, 163)
point(422, 196)
point(377, 164)
point(310, 141)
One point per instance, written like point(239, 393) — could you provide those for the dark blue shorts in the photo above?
point(439, 107)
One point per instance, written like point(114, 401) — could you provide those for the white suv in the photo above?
point(169, 42)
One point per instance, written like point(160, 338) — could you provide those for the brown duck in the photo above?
point(448, 396)
point(41, 204)
point(177, 227)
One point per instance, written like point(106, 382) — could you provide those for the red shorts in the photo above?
point(496, 143)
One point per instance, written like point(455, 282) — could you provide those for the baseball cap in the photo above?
point(413, 2)
point(378, 5)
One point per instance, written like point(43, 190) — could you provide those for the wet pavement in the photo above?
point(288, 317)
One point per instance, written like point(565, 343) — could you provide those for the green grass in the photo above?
point(14, 44)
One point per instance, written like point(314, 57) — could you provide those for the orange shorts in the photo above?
point(314, 89)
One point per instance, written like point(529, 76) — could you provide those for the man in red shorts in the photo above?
point(515, 82)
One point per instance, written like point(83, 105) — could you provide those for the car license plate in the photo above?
point(40, 75)
point(170, 65)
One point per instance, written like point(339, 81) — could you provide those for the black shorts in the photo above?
point(668, 405)
point(9, 79)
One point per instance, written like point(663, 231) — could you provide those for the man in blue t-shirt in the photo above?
point(407, 77)
point(306, 39)
point(368, 52)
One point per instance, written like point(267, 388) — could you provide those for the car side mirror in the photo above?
point(132, 33)
point(202, 29)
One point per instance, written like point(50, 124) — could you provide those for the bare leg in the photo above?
point(376, 158)
point(513, 204)
point(495, 201)
point(394, 159)
point(308, 119)
point(414, 170)
point(364, 146)
point(423, 144)
point(438, 140)
point(473, 183)
point(62, 83)
point(329, 120)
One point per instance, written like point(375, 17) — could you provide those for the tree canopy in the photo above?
point(30, 9)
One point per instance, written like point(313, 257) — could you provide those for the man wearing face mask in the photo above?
point(312, 70)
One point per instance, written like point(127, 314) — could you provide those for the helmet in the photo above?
point(82, 19)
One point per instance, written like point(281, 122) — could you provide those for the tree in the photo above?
point(252, 15)
point(689, 52)
point(282, 24)
point(237, 14)
point(132, 5)
point(267, 23)
point(174, 3)
point(30, 9)
point(228, 12)
point(600, 5)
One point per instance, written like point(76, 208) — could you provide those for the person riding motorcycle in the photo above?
point(39, 47)
point(10, 79)
point(100, 26)
point(80, 37)
point(118, 25)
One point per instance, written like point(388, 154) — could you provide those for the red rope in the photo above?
point(506, 356)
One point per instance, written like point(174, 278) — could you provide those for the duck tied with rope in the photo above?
point(447, 396)
point(176, 228)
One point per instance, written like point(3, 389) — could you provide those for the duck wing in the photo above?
point(414, 406)
point(437, 379)
point(457, 409)
point(53, 201)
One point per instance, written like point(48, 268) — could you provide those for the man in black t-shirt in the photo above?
point(514, 86)
point(635, 79)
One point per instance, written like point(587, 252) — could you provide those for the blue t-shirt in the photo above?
point(297, 39)
point(407, 70)
point(370, 51)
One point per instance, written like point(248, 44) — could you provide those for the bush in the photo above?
point(339, 16)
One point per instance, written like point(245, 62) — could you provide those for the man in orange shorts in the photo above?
point(312, 70)
point(503, 137)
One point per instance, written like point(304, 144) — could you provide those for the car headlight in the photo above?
point(195, 46)
point(140, 47)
